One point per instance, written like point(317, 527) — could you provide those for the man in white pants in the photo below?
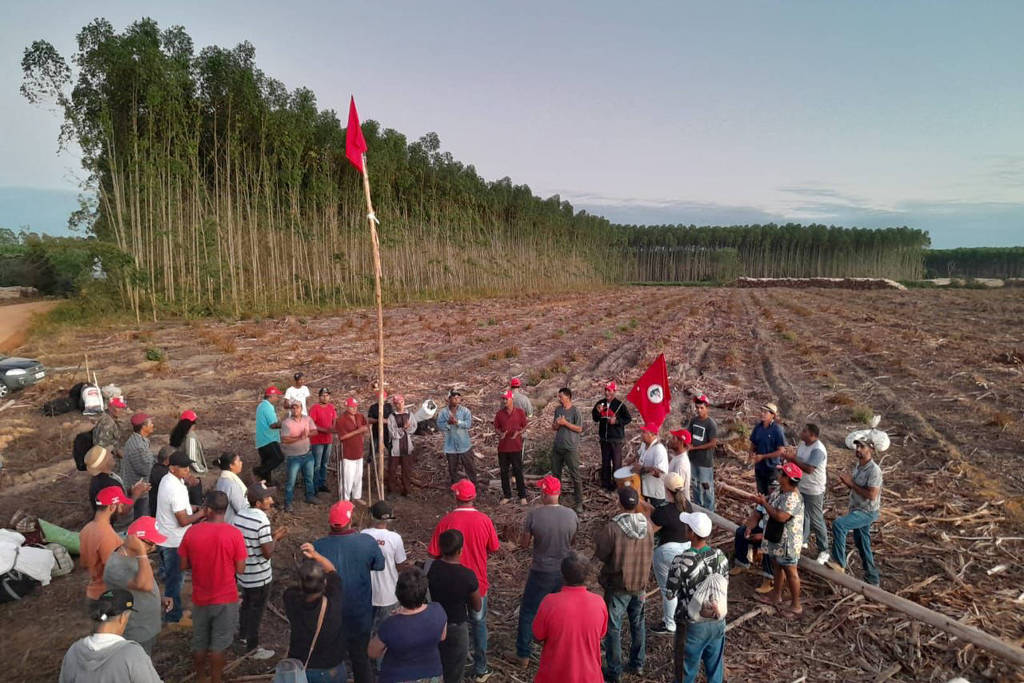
point(351, 427)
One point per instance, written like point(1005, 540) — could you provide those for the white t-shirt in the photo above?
point(680, 464)
point(171, 497)
point(812, 483)
point(300, 394)
point(386, 579)
point(655, 456)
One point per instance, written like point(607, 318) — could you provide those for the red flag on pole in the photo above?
point(651, 394)
point(355, 143)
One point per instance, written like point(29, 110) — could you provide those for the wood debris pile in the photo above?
point(820, 282)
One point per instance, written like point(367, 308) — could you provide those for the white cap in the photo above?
point(698, 521)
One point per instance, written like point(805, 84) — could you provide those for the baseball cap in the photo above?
point(683, 434)
point(256, 492)
point(673, 481)
point(272, 391)
point(771, 408)
point(611, 386)
point(508, 395)
point(341, 513)
point(118, 402)
point(628, 497)
point(179, 458)
point(323, 390)
point(351, 402)
point(791, 470)
point(702, 398)
point(382, 510)
point(515, 382)
point(464, 490)
point(112, 495)
point(189, 415)
point(297, 375)
point(114, 602)
point(94, 459)
point(454, 392)
point(550, 485)
point(698, 521)
point(866, 440)
point(145, 528)
point(398, 398)
point(139, 419)
point(651, 427)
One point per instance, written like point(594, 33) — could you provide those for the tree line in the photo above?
point(223, 191)
point(996, 262)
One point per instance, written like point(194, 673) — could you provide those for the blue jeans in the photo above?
point(171, 571)
point(742, 544)
point(814, 520)
point(705, 641)
point(321, 456)
point(478, 636)
point(295, 463)
point(859, 522)
point(538, 585)
point(701, 495)
point(334, 675)
point(764, 477)
point(622, 604)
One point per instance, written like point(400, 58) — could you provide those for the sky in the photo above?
point(866, 113)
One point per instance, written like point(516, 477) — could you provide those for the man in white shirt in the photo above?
point(678, 460)
point(173, 518)
point(298, 392)
point(812, 458)
point(651, 464)
point(393, 549)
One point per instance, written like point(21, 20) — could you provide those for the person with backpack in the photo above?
point(107, 432)
point(699, 579)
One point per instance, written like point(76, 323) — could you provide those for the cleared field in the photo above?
point(942, 368)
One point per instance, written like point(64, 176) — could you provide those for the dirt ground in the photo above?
point(943, 368)
point(14, 321)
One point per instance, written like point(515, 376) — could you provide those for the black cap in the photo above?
point(382, 510)
point(628, 497)
point(454, 392)
point(323, 390)
point(112, 603)
point(179, 458)
point(297, 375)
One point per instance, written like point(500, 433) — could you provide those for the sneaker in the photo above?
point(481, 677)
point(822, 557)
point(322, 489)
point(634, 670)
point(661, 630)
point(261, 653)
point(835, 566)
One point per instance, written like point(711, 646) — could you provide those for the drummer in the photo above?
point(651, 464)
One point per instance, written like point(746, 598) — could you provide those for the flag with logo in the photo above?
point(651, 394)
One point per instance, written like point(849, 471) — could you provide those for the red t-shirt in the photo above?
point(323, 415)
point(504, 422)
point(479, 538)
point(352, 447)
point(212, 550)
point(571, 624)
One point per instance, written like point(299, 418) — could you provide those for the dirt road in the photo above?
point(940, 366)
point(14, 322)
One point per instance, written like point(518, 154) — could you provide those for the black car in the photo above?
point(17, 373)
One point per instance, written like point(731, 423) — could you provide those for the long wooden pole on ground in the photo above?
point(996, 646)
point(372, 218)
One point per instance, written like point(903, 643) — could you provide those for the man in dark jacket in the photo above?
point(612, 416)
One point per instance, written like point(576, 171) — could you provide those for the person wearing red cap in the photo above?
point(98, 538)
point(510, 422)
point(183, 436)
point(552, 528)
point(351, 428)
point(480, 538)
point(612, 416)
point(268, 435)
point(521, 399)
point(784, 507)
point(354, 556)
point(138, 460)
point(704, 439)
point(652, 464)
point(324, 415)
point(107, 432)
point(129, 568)
point(401, 426)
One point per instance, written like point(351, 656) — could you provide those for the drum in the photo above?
point(625, 476)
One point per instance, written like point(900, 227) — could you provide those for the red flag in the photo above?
point(651, 394)
point(355, 143)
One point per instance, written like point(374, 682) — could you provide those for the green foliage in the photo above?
point(53, 265)
point(155, 353)
point(991, 262)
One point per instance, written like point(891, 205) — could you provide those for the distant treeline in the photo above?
point(218, 190)
point(53, 265)
point(996, 262)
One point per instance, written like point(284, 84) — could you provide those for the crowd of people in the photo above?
point(361, 606)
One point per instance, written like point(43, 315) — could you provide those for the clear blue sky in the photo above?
point(853, 113)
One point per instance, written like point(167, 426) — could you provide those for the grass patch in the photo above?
point(155, 353)
point(861, 413)
point(510, 352)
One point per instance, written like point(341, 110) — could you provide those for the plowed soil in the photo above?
point(942, 368)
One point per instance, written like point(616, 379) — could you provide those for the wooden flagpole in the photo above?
point(372, 218)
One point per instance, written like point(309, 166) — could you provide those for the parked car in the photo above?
point(18, 373)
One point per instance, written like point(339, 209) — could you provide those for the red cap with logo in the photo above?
point(791, 470)
point(351, 402)
point(341, 513)
point(112, 495)
point(145, 528)
point(139, 419)
point(464, 490)
point(550, 485)
point(272, 391)
point(611, 386)
point(507, 395)
point(703, 398)
point(118, 402)
point(515, 382)
point(683, 434)
point(189, 415)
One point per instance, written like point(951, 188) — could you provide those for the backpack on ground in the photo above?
point(58, 406)
point(64, 565)
point(81, 445)
point(14, 585)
